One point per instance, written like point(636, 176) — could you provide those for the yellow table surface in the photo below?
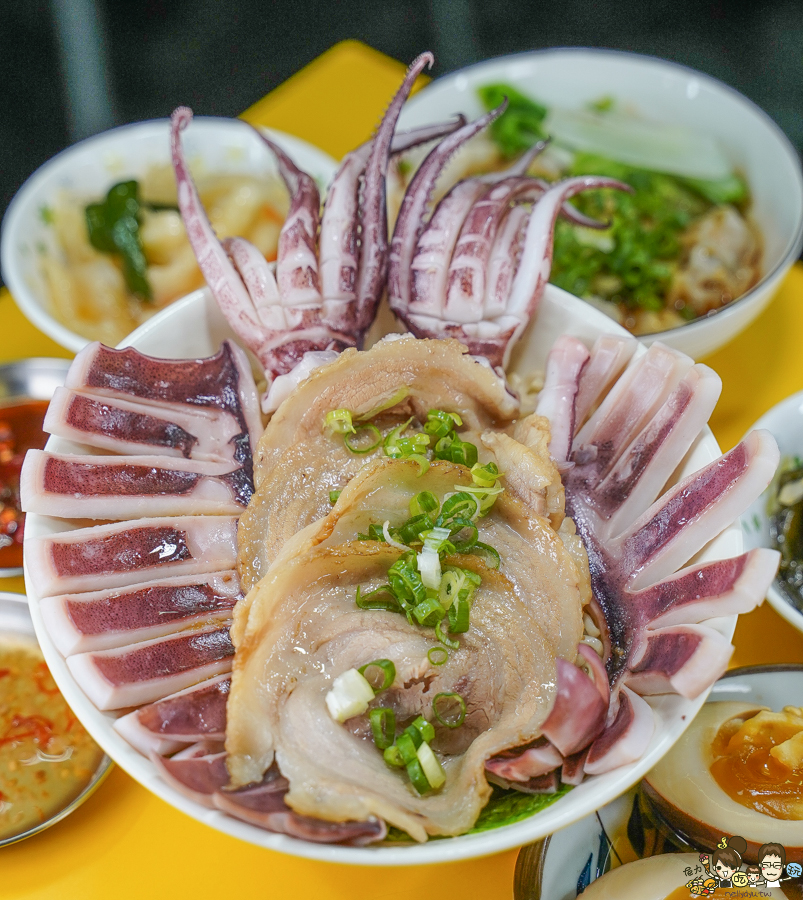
point(126, 843)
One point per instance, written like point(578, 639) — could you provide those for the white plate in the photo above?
point(668, 93)
point(785, 422)
point(90, 168)
point(193, 327)
point(563, 859)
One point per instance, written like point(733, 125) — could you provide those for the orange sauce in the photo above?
point(20, 430)
point(46, 756)
point(750, 773)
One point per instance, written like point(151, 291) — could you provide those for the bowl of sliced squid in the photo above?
point(509, 664)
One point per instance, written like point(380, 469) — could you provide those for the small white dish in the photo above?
point(785, 422)
point(91, 167)
point(671, 94)
point(194, 327)
point(553, 868)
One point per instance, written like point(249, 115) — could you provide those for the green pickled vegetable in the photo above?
point(113, 227)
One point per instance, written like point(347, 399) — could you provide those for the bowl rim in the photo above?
point(33, 308)
point(794, 244)
point(100, 774)
point(467, 846)
point(775, 596)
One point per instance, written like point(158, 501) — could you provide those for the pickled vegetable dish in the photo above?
point(785, 516)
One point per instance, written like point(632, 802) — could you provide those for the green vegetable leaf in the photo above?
point(113, 227)
point(521, 125)
point(504, 808)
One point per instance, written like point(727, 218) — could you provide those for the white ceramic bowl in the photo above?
point(671, 94)
point(90, 168)
point(194, 327)
point(551, 870)
point(785, 422)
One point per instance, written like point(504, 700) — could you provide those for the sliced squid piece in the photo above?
point(221, 382)
point(625, 739)
point(144, 672)
point(124, 553)
point(138, 429)
point(197, 772)
point(298, 463)
point(197, 713)
point(300, 628)
point(130, 487)
point(100, 620)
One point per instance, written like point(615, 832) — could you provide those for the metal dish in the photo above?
point(29, 379)
point(15, 619)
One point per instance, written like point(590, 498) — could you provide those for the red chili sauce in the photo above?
point(20, 431)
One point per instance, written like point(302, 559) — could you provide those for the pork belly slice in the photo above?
point(101, 620)
point(136, 428)
point(194, 714)
point(130, 487)
point(150, 670)
point(221, 382)
point(125, 553)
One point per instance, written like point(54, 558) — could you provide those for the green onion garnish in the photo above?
point(449, 709)
point(429, 612)
point(338, 421)
point(424, 729)
point(437, 655)
point(431, 767)
point(460, 505)
point(383, 726)
point(487, 550)
point(381, 598)
point(407, 743)
point(440, 423)
point(459, 615)
point(405, 580)
point(380, 674)
point(446, 641)
point(424, 503)
point(393, 757)
point(333, 495)
point(365, 439)
point(417, 777)
point(485, 476)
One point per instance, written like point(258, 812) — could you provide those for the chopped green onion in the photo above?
point(449, 709)
point(414, 529)
point(405, 580)
point(375, 533)
point(391, 401)
point(338, 421)
point(448, 642)
point(437, 539)
point(393, 757)
point(487, 550)
point(462, 504)
point(460, 526)
point(383, 726)
point(333, 495)
point(407, 744)
point(390, 539)
point(429, 612)
point(349, 696)
point(463, 452)
point(391, 442)
point(417, 777)
point(379, 680)
point(485, 476)
point(423, 462)
point(440, 423)
point(431, 767)
point(424, 503)
point(356, 442)
point(437, 655)
point(429, 565)
point(381, 598)
point(459, 616)
point(423, 727)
